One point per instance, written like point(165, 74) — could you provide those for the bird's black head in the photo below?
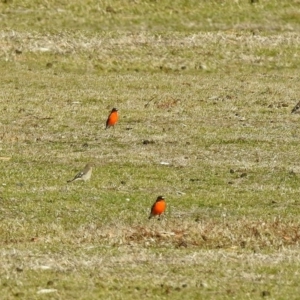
point(159, 198)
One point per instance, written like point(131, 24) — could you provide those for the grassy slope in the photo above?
point(211, 86)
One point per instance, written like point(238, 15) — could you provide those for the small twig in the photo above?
point(147, 104)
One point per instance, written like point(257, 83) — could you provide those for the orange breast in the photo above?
point(158, 208)
point(113, 118)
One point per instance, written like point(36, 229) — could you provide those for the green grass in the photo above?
point(205, 90)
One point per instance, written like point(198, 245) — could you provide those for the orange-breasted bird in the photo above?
point(158, 207)
point(112, 118)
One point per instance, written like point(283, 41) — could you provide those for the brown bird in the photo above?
point(158, 208)
point(296, 109)
point(84, 174)
point(112, 118)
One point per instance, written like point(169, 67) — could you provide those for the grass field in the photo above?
point(205, 91)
